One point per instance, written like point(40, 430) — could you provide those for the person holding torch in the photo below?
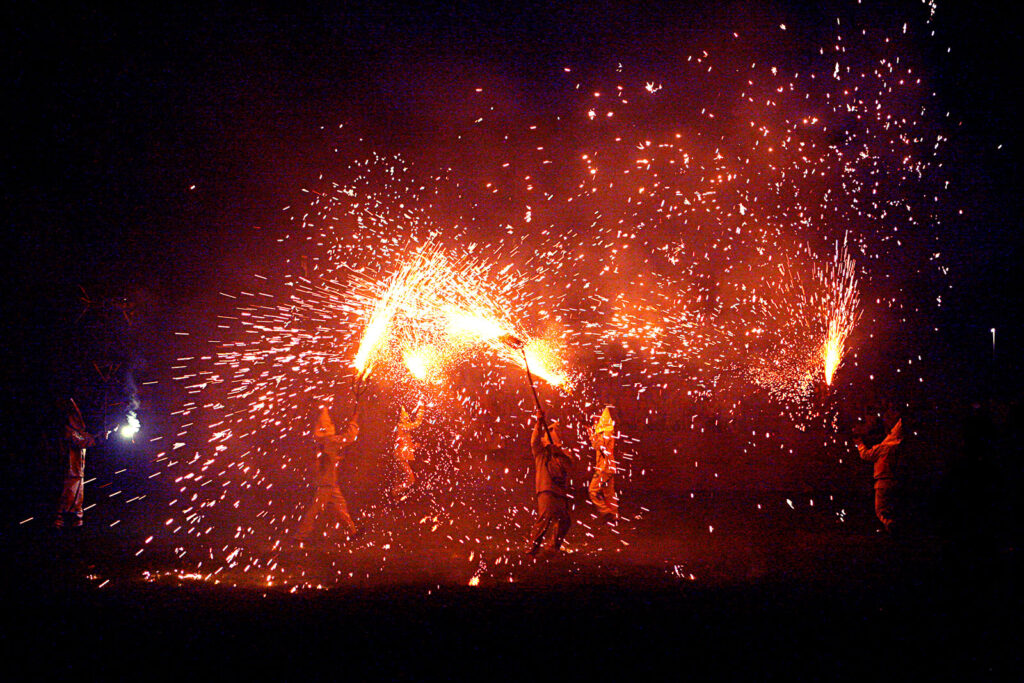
point(552, 466)
point(328, 495)
point(405, 449)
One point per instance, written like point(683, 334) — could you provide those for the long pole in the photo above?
point(536, 398)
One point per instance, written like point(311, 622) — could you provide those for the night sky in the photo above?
point(114, 116)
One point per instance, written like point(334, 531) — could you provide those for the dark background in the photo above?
point(115, 114)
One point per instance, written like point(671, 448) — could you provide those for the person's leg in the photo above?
point(543, 522)
point(306, 525)
point(405, 477)
point(410, 477)
point(66, 503)
point(885, 504)
point(76, 504)
point(597, 495)
point(611, 495)
point(340, 506)
point(561, 516)
point(602, 493)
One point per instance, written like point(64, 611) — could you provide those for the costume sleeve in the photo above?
point(895, 436)
point(869, 454)
point(893, 439)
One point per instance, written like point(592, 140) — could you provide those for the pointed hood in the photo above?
point(605, 423)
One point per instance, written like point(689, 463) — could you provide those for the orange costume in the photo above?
point(885, 456)
point(602, 484)
point(328, 495)
point(73, 442)
point(405, 449)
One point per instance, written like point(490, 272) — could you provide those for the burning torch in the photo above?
point(131, 426)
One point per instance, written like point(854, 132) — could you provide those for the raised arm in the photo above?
point(895, 435)
point(535, 446)
point(869, 454)
point(893, 439)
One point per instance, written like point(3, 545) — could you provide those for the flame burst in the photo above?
point(842, 305)
point(804, 323)
point(419, 362)
point(416, 278)
point(843, 313)
point(438, 307)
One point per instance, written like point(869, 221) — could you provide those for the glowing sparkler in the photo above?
point(376, 330)
point(131, 427)
point(805, 322)
point(540, 359)
point(473, 325)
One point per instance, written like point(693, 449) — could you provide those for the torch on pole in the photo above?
point(358, 389)
point(515, 343)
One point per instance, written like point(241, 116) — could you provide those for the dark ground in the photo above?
point(712, 586)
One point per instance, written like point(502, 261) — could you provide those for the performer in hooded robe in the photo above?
point(884, 450)
point(552, 466)
point(602, 484)
point(328, 495)
point(405, 449)
point(73, 441)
